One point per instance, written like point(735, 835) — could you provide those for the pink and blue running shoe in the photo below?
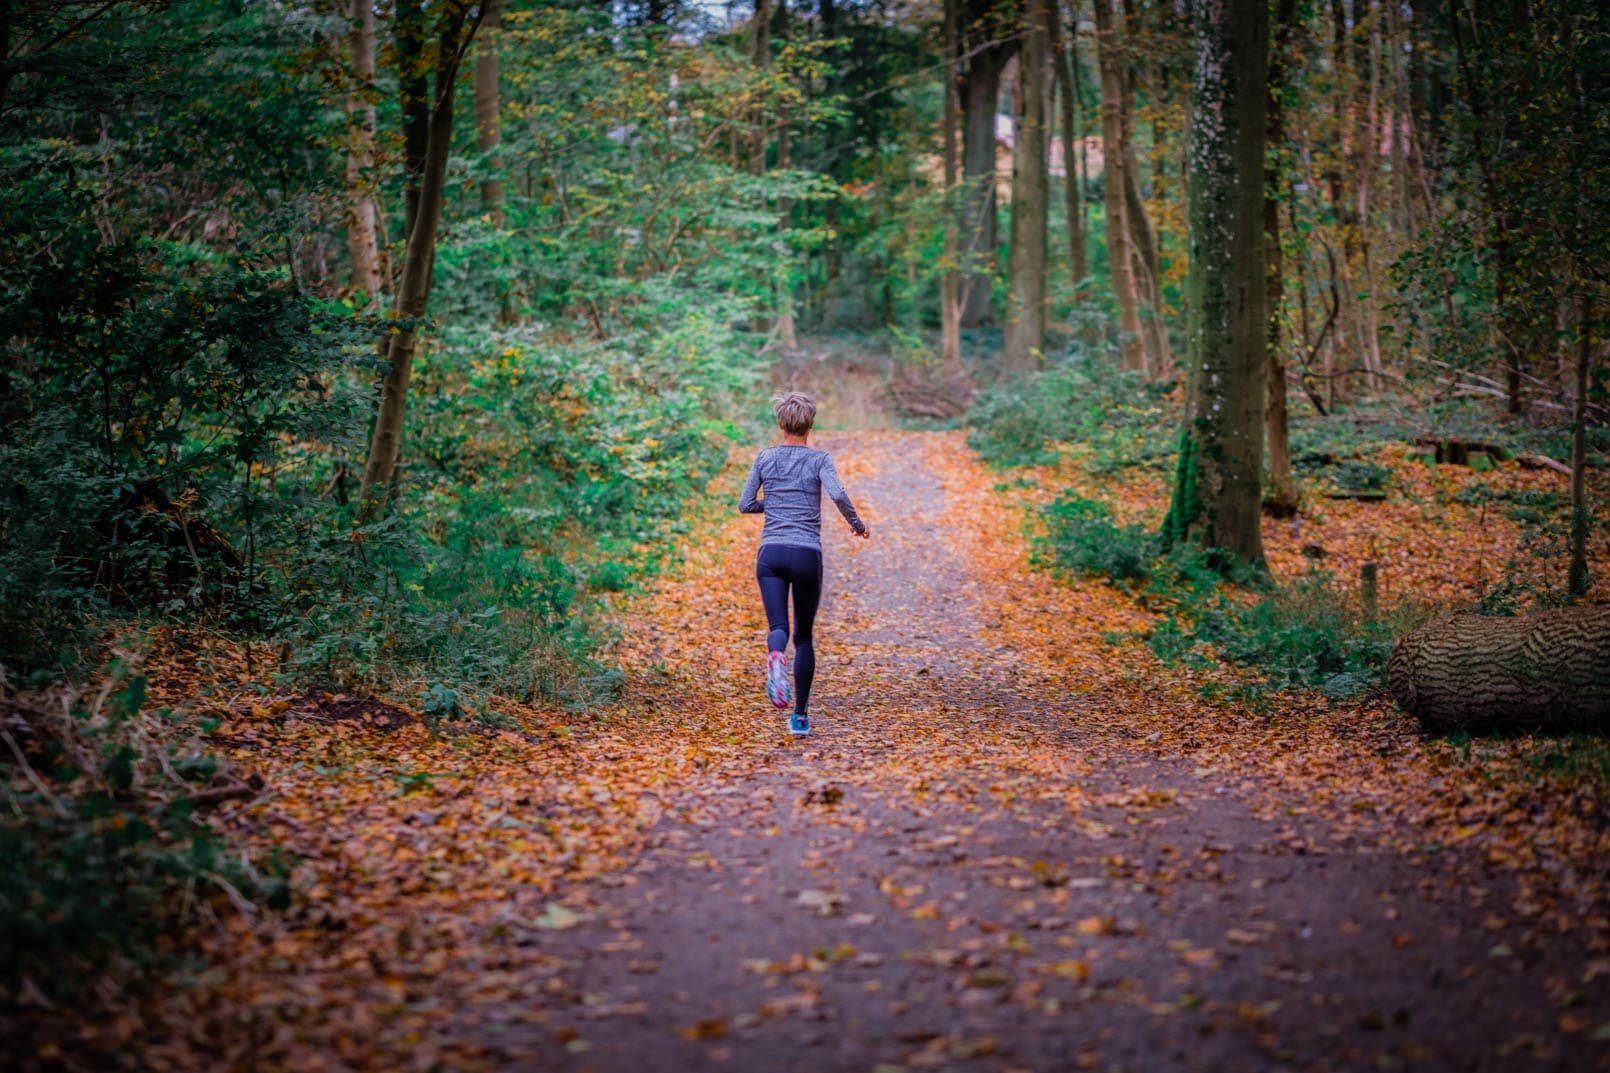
point(777, 687)
point(799, 724)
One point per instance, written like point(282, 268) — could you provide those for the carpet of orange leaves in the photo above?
point(432, 869)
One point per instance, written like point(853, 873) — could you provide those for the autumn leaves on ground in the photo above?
point(1015, 841)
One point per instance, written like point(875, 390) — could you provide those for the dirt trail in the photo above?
point(978, 863)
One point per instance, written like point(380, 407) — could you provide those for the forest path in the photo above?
point(1002, 849)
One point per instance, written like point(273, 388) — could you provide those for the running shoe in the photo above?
point(777, 687)
point(799, 724)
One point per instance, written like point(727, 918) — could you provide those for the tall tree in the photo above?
point(782, 286)
point(990, 40)
point(1282, 490)
point(363, 211)
point(1216, 499)
point(489, 130)
point(950, 287)
point(1068, 107)
point(456, 23)
point(760, 58)
point(411, 31)
point(1120, 259)
point(1024, 344)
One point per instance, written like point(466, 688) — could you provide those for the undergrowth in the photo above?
point(106, 842)
point(1311, 634)
point(1116, 417)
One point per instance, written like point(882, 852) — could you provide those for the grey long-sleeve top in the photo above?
point(794, 477)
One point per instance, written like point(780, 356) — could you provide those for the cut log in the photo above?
point(1549, 670)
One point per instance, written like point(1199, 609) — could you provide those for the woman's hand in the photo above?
point(866, 531)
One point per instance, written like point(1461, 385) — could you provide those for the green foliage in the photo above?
point(1310, 634)
point(147, 387)
point(103, 843)
point(1114, 415)
point(1081, 537)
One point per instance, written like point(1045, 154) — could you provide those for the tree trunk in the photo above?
point(1282, 500)
point(1547, 670)
point(1068, 101)
point(413, 293)
point(1217, 485)
point(981, 92)
point(489, 131)
point(786, 338)
point(413, 89)
point(1577, 578)
point(363, 230)
point(1146, 267)
point(950, 361)
point(760, 59)
point(1119, 257)
point(1023, 347)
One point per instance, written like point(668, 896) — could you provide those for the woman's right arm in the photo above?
point(747, 503)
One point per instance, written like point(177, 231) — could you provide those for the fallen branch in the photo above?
point(229, 791)
point(1535, 461)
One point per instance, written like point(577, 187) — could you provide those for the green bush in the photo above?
point(149, 390)
point(1081, 537)
point(1311, 634)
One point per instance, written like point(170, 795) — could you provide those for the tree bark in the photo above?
point(1023, 347)
point(1546, 670)
point(489, 131)
point(1072, 132)
point(413, 88)
point(1217, 485)
point(1282, 499)
point(1146, 267)
point(760, 59)
point(1577, 577)
point(1119, 257)
point(786, 338)
point(950, 360)
point(363, 219)
point(456, 29)
point(988, 50)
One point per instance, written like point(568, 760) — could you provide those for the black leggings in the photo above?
point(779, 568)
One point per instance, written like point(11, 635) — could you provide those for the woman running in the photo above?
point(794, 476)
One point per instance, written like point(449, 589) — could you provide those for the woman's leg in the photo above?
point(774, 595)
point(807, 579)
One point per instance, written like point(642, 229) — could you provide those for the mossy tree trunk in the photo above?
point(1217, 488)
point(1024, 344)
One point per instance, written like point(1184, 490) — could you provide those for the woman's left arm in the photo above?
point(829, 476)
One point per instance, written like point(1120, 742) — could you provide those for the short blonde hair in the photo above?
point(796, 412)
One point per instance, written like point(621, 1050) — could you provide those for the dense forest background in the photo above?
point(388, 341)
point(581, 234)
